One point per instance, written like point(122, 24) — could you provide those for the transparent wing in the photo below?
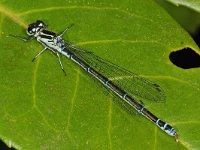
point(133, 84)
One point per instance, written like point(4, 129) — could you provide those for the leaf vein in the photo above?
point(107, 41)
point(44, 119)
point(155, 139)
point(73, 100)
point(13, 16)
point(82, 7)
point(187, 122)
point(110, 123)
point(172, 78)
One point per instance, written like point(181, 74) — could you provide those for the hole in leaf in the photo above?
point(3, 146)
point(185, 58)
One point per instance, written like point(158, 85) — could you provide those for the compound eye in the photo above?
point(40, 23)
point(30, 31)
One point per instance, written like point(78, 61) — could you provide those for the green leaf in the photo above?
point(193, 4)
point(43, 109)
point(185, 15)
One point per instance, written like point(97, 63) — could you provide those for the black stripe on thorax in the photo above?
point(49, 33)
point(46, 36)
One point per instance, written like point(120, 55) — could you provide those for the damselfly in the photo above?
point(102, 70)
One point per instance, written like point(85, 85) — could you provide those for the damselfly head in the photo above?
point(36, 27)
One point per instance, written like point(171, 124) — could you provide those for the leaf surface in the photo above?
point(193, 4)
point(43, 109)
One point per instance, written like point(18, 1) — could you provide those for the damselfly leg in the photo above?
point(60, 35)
point(66, 30)
point(39, 54)
point(32, 37)
point(23, 38)
point(57, 54)
point(60, 63)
